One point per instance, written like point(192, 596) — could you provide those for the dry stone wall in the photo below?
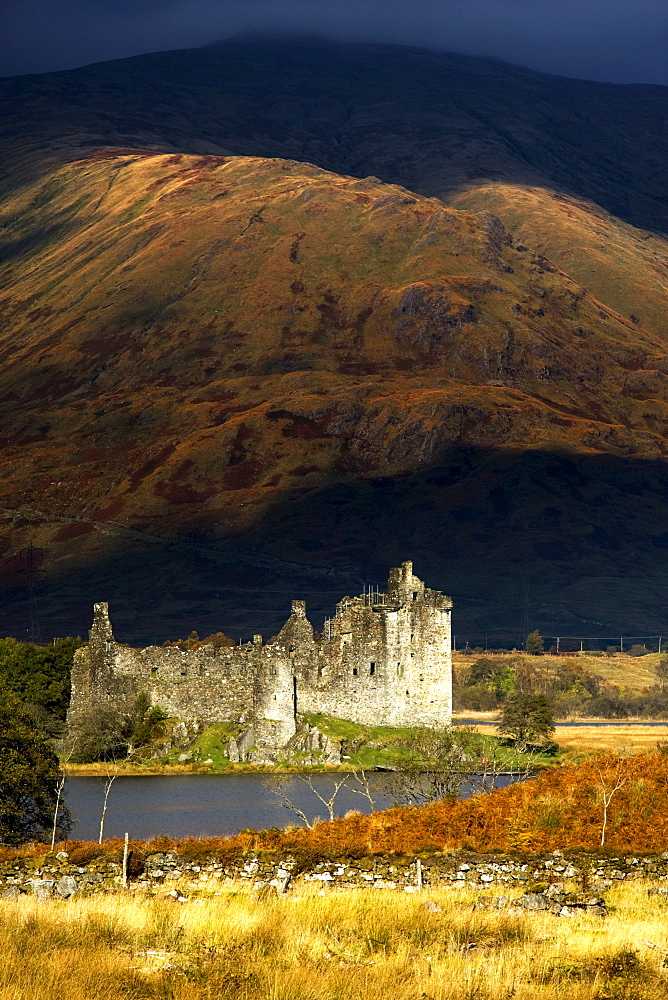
point(532, 882)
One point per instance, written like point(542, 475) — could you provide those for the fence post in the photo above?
point(125, 861)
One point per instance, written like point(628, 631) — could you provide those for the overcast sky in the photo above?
point(624, 41)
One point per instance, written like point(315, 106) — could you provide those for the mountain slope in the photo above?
point(238, 377)
point(203, 349)
point(430, 121)
point(470, 131)
point(623, 266)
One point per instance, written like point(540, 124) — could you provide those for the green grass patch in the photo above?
point(365, 747)
point(210, 745)
point(371, 747)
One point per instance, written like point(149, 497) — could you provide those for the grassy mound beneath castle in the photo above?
point(365, 748)
point(369, 747)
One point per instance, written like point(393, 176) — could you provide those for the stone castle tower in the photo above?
point(382, 659)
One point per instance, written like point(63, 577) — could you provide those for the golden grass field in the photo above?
point(634, 672)
point(314, 946)
point(616, 736)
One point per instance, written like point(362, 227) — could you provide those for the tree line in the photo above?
point(34, 698)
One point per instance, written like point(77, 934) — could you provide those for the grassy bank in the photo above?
point(364, 748)
point(321, 945)
point(380, 746)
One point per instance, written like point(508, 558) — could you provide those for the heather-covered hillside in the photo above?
point(230, 378)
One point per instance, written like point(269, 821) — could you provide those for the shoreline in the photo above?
point(581, 735)
point(149, 770)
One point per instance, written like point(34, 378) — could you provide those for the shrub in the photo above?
point(609, 706)
point(534, 644)
point(84, 852)
point(39, 675)
point(29, 776)
point(661, 670)
point(477, 698)
point(101, 735)
point(527, 718)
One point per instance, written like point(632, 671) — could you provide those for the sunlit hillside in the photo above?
point(244, 377)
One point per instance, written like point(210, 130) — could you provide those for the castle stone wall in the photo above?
point(384, 660)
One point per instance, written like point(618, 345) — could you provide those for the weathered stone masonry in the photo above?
point(382, 659)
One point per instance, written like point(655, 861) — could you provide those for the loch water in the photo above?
point(201, 805)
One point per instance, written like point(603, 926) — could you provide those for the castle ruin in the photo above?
point(384, 658)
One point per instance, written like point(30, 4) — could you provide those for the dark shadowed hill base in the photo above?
point(583, 539)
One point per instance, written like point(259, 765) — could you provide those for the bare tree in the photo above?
point(361, 779)
point(59, 793)
point(436, 765)
point(489, 766)
point(112, 767)
point(279, 788)
point(610, 780)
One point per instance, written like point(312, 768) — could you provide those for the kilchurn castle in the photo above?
point(384, 658)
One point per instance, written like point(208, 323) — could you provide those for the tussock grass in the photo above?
point(313, 946)
point(633, 738)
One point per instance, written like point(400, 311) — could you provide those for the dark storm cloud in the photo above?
point(618, 40)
